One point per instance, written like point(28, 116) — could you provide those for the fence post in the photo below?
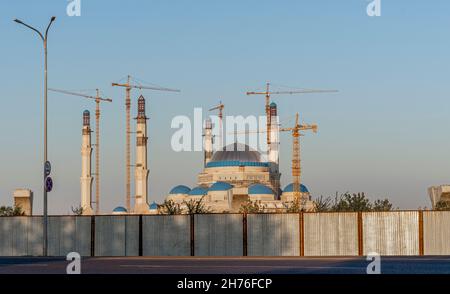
point(244, 235)
point(421, 242)
point(92, 235)
point(360, 235)
point(302, 233)
point(192, 235)
point(141, 247)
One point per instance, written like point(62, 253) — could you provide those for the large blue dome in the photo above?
point(236, 154)
point(198, 191)
point(220, 186)
point(259, 189)
point(180, 189)
point(290, 188)
point(120, 209)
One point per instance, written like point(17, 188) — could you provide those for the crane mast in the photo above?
point(128, 86)
point(220, 107)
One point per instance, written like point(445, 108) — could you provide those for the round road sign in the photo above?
point(48, 184)
point(47, 168)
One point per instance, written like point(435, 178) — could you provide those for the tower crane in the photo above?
point(128, 86)
point(97, 100)
point(220, 107)
point(296, 161)
point(296, 166)
point(268, 93)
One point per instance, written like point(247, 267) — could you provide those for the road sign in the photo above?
point(47, 168)
point(48, 184)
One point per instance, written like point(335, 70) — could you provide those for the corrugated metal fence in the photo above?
point(295, 234)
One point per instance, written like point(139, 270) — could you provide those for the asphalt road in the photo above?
point(213, 265)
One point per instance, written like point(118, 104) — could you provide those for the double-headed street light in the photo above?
point(44, 40)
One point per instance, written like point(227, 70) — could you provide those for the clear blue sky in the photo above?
point(385, 132)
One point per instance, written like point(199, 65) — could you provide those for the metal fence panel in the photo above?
point(273, 234)
point(391, 233)
point(166, 235)
point(83, 235)
point(218, 235)
point(331, 234)
point(69, 234)
point(436, 232)
point(132, 236)
point(35, 236)
point(6, 236)
point(111, 234)
point(19, 230)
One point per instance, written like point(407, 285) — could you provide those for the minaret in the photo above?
point(208, 141)
point(274, 148)
point(86, 175)
point(141, 171)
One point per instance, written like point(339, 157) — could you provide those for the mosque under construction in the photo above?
point(231, 176)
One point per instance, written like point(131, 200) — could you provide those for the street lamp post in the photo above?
point(44, 40)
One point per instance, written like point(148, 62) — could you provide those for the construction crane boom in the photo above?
point(128, 86)
point(268, 93)
point(81, 95)
point(97, 99)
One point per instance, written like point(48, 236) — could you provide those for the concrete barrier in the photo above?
point(273, 234)
point(117, 235)
point(436, 232)
point(218, 235)
point(331, 234)
point(391, 233)
point(166, 235)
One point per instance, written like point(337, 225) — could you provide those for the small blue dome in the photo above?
point(86, 112)
point(120, 209)
point(198, 191)
point(153, 206)
point(259, 189)
point(273, 104)
point(220, 186)
point(290, 188)
point(180, 189)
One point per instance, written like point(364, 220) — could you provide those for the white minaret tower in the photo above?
point(86, 175)
point(141, 171)
point(208, 141)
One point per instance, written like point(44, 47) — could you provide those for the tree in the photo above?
point(322, 204)
point(382, 205)
point(251, 207)
point(442, 206)
point(78, 210)
point(352, 202)
point(11, 211)
point(170, 207)
point(296, 206)
point(196, 206)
